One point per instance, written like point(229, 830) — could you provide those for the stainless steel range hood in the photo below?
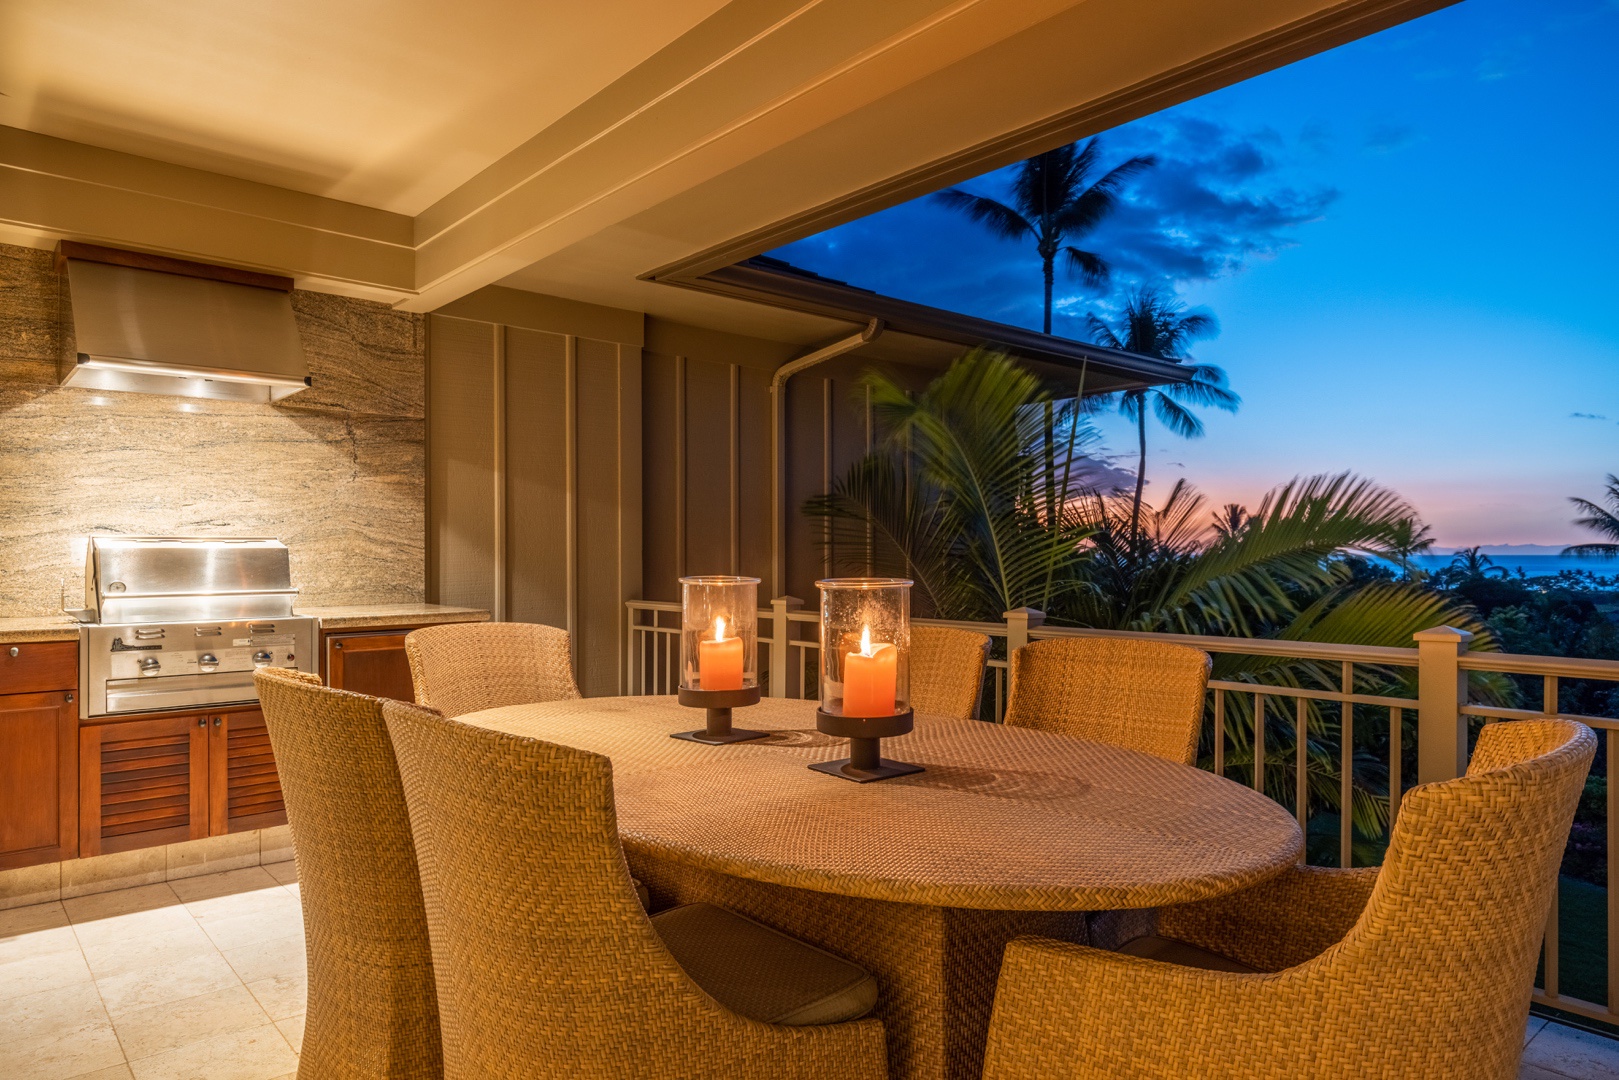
point(154, 325)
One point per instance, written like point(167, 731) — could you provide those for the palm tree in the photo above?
point(1052, 204)
point(1604, 521)
point(1154, 324)
point(1469, 564)
point(1408, 539)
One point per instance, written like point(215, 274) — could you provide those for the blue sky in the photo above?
point(1409, 243)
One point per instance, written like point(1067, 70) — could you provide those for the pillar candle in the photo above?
point(719, 662)
point(869, 678)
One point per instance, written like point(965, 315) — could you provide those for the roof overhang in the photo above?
point(920, 334)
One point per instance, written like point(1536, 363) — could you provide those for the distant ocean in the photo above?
point(1533, 565)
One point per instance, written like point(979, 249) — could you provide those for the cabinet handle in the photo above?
point(15, 651)
point(218, 720)
point(69, 697)
point(335, 645)
point(202, 721)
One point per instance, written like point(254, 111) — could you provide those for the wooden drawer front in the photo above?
point(372, 664)
point(39, 667)
point(253, 791)
point(143, 783)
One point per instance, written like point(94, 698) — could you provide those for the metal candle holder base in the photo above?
point(865, 762)
point(719, 704)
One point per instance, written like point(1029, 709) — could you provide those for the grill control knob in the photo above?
point(149, 665)
point(262, 657)
point(208, 662)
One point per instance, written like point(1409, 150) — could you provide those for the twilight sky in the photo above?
point(1410, 246)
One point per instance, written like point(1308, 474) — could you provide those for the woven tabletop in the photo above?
point(1009, 819)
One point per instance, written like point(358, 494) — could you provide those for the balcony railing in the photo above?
point(1438, 668)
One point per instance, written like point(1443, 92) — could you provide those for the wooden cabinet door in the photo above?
point(244, 791)
point(372, 664)
point(39, 778)
point(143, 782)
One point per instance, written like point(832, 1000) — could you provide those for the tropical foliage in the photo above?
point(1600, 519)
point(967, 496)
point(1155, 324)
point(1054, 202)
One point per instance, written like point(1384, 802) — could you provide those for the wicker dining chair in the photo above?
point(546, 964)
point(461, 668)
point(1141, 695)
point(373, 1005)
point(1422, 968)
point(947, 671)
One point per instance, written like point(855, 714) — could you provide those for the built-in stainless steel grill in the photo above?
point(182, 623)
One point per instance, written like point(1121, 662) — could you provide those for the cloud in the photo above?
point(1586, 416)
point(1386, 138)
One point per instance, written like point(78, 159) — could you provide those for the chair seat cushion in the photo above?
point(1169, 951)
point(761, 973)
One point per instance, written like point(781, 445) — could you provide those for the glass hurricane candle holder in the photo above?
point(865, 673)
point(719, 653)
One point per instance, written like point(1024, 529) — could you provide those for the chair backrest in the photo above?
point(546, 962)
point(461, 668)
point(947, 670)
point(1454, 924)
point(1141, 695)
point(373, 1005)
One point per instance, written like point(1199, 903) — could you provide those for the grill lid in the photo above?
point(131, 579)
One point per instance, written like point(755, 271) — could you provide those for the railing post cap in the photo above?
point(1034, 615)
point(1443, 634)
point(791, 603)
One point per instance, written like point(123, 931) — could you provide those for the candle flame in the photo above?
point(865, 641)
point(719, 629)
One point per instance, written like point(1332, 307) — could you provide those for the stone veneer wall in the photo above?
point(336, 472)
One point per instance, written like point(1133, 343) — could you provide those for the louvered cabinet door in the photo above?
point(244, 792)
point(143, 783)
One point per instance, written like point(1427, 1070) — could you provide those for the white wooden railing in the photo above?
point(1440, 661)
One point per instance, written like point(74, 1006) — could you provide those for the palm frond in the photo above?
point(994, 215)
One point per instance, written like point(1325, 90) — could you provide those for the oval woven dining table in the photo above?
point(923, 878)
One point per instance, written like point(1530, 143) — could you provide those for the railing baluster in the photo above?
point(1612, 745)
point(1550, 946)
point(1346, 770)
point(1396, 735)
point(1301, 744)
point(1548, 696)
point(1219, 732)
point(1259, 742)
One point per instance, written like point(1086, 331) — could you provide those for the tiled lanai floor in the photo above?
point(203, 979)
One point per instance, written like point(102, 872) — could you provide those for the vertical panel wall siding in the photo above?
point(544, 525)
point(706, 464)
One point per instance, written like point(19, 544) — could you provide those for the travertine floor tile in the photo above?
point(25, 920)
point(160, 983)
point(117, 1072)
point(134, 924)
point(161, 1028)
point(1574, 1053)
point(284, 872)
point(257, 918)
point(269, 959)
point(1532, 1028)
point(281, 996)
point(53, 1010)
point(19, 978)
point(292, 1029)
point(107, 905)
point(117, 956)
point(42, 942)
point(255, 1054)
point(246, 879)
point(61, 1053)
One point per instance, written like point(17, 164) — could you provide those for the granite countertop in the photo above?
point(38, 628)
point(361, 616)
point(353, 617)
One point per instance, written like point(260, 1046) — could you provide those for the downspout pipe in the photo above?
point(778, 448)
